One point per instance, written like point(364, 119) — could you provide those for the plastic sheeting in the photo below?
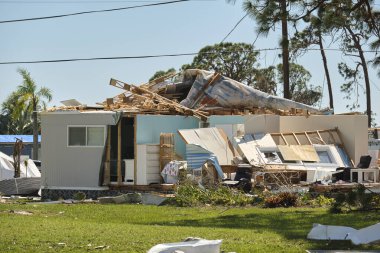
point(226, 92)
point(7, 169)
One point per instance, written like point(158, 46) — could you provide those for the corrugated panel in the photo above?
point(196, 156)
point(22, 186)
point(211, 139)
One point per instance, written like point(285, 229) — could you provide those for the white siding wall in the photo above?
point(67, 167)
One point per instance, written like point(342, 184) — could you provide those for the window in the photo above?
point(271, 155)
point(90, 136)
point(324, 157)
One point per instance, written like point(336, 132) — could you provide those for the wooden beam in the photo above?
point(333, 138)
point(295, 137)
point(283, 138)
point(119, 176)
point(158, 99)
point(320, 137)
point(308, 138)
point(109, 101)
point(135, 149)
point(107, 167)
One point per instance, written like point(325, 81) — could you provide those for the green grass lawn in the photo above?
point(136, 228)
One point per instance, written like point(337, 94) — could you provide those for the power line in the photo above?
point(89, 2)
point(90, 12)
point(237, 24)
point(151, 56)
point(116, 58)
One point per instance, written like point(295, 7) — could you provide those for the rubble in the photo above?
point(275, 159)
point(365, 235)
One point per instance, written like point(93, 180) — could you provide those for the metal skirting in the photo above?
point(20, 186)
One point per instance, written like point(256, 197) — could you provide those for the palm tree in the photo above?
point(33, 100)
point(15, 117)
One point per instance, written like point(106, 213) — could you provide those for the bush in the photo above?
point(79, 196)
point(355, 200)
point(283, 199)
point(189, 194)
point(321, 201)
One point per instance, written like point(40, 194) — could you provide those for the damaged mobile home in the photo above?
point(127, 143)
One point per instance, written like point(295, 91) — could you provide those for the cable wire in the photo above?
point(117, 57)
point(88, 2)
point(90, 12)
point(237, 24)
point(149, 56)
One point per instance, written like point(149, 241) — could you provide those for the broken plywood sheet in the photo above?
point(249, 150)
point(248, 146)
point(299, 153)
point(264, 140)
point(212, 140)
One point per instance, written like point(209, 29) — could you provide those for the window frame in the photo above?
point(326, 148)
point(275, 149)
point(86, 127)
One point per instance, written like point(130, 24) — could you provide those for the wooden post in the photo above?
point(135, 149)
point(119, 176)
point(107, 165)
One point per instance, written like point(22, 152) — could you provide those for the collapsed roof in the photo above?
point(208, 89)
point(198, 93)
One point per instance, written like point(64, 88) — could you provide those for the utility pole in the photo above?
point(285, 48)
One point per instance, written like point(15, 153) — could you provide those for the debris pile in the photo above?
point(196, 93)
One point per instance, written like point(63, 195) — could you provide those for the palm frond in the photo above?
point(45, 93)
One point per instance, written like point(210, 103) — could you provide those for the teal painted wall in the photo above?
point(149, 128)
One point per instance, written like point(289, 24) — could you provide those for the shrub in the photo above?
point(321, 201)
point(283, 199)
point(188, 194)
point(79, 196)
point(356, 199)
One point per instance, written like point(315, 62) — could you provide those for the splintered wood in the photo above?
point(167, 153)
point(146, 101)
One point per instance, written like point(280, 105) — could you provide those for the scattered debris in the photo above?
point(153, 199)
point(190, 245)
point(20, 212)
point(102, 247)
point(28, 180)
point(362, 236)
point(131, 198)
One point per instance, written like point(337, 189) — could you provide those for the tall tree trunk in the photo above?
point(329, 85)
point(35, 133)
point(365, 71)
point(285, 48)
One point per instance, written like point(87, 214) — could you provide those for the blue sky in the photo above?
point(168, 29)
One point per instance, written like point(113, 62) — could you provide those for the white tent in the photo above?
point(7, 170)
